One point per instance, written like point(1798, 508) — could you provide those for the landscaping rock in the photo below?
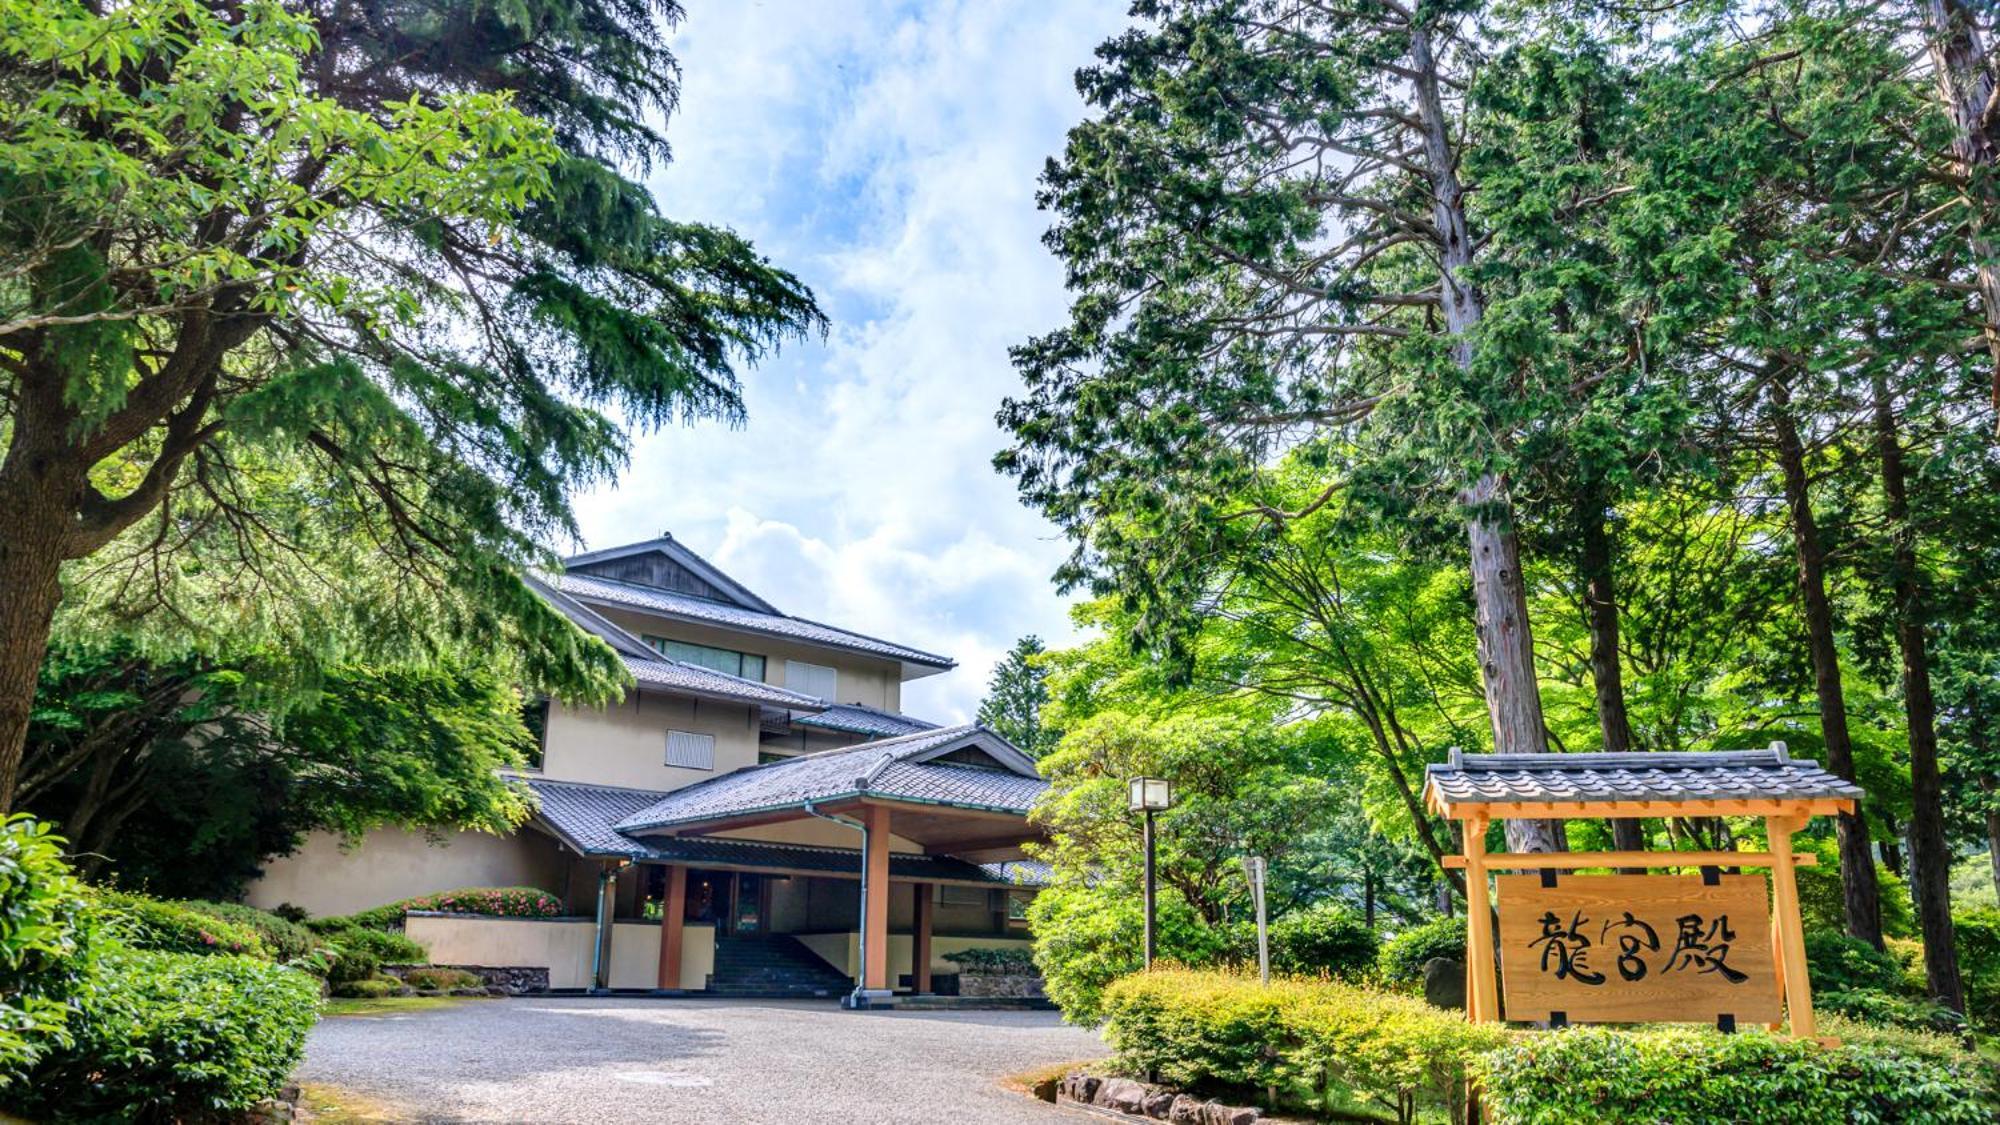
point(1444, 983)
point(1083, 1087)
point(1046, 1089)
point(1121, 1094)
point(1158, 1102)
point(1215, 1113)
point(1185, 1111)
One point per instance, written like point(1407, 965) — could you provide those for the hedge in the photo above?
point(172, 927)
point(1326, 939)
point(289, 942)
point(173, 1036)
point(501, 902)
point(1321, 1045)
point(44, 931)
point(1689, 1074)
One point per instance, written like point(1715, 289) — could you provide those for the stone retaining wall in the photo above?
point(976, 982)
point(514, 980)
point(1139, 1099)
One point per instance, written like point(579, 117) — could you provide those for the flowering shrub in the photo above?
point(170, 927)
point(499, 902)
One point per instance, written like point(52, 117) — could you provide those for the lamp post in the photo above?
point(1150, 795)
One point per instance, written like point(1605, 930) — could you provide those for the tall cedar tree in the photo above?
point(395, 240)
point(1272, 247)
point(1015, 698)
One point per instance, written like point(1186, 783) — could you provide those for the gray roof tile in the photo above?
point(1770, 774)
point(857, 719)
point(686, 607)
point(584, 815)
point(895, 768)
point(706, 681)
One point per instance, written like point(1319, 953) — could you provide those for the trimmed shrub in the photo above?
point(1403, 957)
point(1888, 1009)
point(995, 959)
point(1687, 1074)
point(1088, 936)
point(442, 980)
point(1323, 1045)
point(1839, 963)
point(45, 930)
point(499, 902)
point(371, 988)
point(385, 946)
point(171, 927)
point(350, 965)
point(1327, 938)
point(173, 1036)
point(288, 941)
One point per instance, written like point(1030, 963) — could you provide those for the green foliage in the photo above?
point(351, 963)
point(173, 1036)
point(1323, 939)
point(1889, 1009)
point(387, 946)
point(1404, 956)
point(172, 927)
point(45, 931)
point(1015, 697)
point(497, 902)
point(288, 942)
point(1087, 936)
point(1820, 906)
point(368, 988)
point(440, 979)
point(1839, 963)
point(1978, 937)
point(994, 959)
point(1320, 1044)
point(1591, 1074)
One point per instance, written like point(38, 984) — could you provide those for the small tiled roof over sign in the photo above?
point(912, 767)
point(1596, 779)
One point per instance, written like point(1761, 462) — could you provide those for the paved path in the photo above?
point(605, 1061)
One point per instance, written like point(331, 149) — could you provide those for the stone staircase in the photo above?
point(773, 966)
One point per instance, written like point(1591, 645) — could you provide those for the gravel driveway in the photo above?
point(605, 1061)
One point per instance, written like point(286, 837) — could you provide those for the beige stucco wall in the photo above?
point(860, 679)
point(389, 864)
point(564, 948)
point(626, 744)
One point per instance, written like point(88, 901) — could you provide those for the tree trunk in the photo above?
point(1862, 897)
point(1992, 830)
point(36, 487)
point(1892, 848)
point(1506, 647)
point(1965, 86)
point(1606, 673)
point(1930, 857)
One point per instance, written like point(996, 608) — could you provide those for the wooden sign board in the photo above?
point(1637, 948)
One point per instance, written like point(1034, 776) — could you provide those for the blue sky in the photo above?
point(887, 153)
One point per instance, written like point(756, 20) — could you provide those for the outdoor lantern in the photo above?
point(1151, 794)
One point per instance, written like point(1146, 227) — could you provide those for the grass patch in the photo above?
point(387, 1005)
point(331, 1105)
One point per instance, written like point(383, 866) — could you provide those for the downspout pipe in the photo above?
point(599, 970)
point(862, 997)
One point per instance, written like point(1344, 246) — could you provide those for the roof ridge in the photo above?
point(1645, 759)
point(598, 785)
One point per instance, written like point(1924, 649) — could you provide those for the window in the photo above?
point(690, 751)
point(812, 679)
point(748, 665)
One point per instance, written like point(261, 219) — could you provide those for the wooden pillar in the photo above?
point(875, 892)
point(673, 906)
point(1482, 993)
point(920, 943)
point(1791, 931)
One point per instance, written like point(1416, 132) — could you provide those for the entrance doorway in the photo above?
point(736, 903)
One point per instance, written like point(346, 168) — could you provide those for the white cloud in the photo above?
point(887, 154)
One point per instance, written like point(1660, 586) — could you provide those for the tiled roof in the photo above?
point(857, 719)
point(1769, 774)
point(684, 606)
point(584, 815)
point(666, 673)
point(896, 768)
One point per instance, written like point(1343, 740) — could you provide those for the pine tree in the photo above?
point(1015, 697)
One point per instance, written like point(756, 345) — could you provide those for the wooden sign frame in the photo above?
point(1781, 820)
